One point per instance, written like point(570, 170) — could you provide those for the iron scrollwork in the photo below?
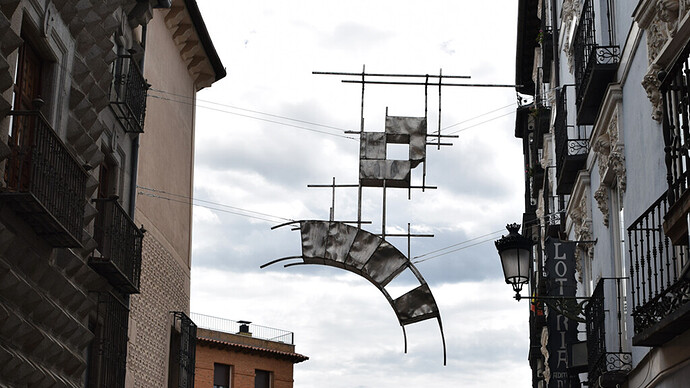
point(572, 308)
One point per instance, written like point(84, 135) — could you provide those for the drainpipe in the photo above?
point(135, 140)
point(556, 44)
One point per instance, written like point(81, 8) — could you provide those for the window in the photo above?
point(27, 87)
point(221, 375)
point(262, 379)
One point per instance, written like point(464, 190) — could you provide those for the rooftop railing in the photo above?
point(234, 327)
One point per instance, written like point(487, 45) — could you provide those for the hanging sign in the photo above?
point(560, 281)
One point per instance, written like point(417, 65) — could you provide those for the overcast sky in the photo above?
point(251, 156)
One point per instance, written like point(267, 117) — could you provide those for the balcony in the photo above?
point(44, 183)
point(128, 94)
point(595, 66)
point(676, 124)
point(607, 367)
point(107, 357)
point(182, 351)
point(119, 244)
point(660, 286)
point(572, 147)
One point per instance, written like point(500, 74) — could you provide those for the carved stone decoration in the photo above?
point(602, 147)
point(602, 197)
point(545, 353)
point(617, 163)
point(668, 13)
point(684, 8)
point(568, 16)
point(651, 85)
point(608, 148)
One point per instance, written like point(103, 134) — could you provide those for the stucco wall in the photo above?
point(167, 146)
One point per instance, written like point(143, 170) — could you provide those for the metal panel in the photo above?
point(373, 172)
point(416, 305)
point(385, 264)
point(363, 247)
point(314, 234)
point(401, 125)
point(373, 145)
point(339, 241)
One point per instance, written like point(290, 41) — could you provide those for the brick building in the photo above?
point(233, 354)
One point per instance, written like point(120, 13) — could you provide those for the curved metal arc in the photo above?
point(443, 337)
point(380, 265)
point(285, 224)
point(279, 260)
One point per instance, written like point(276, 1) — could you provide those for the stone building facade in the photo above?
point(604, 124)
point(74, 77)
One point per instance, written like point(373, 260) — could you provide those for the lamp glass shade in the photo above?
point(515, 251)
point(516, 265)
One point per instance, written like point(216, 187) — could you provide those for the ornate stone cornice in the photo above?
point(667, 27)
point(569, 11)
point(579, 213)
point(606, 143)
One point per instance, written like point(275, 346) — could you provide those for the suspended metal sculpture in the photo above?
point(339, 244)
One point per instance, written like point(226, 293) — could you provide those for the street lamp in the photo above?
point(515, 251)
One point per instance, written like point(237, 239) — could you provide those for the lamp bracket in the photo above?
point(572, 307)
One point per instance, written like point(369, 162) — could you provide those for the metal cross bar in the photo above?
point(348, 81)
point(391, 75)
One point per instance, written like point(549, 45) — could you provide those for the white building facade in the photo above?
point(605, 129)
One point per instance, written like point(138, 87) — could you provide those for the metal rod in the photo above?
point(333, 201)
point(449, 136)
point(407, 234)
point(389, 75)
point(361, 133)
point(347, 81)
point(383, 221)
point(329, 186)
point(440, 74)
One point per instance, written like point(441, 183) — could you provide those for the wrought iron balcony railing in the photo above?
point(44, 183)
point(595, 66)
point(119, 245)
point(607, 366)
point(107, 360)
point(183, 350)
point(676, 130)
point(128, 94)
point(660, 293)
point(572, 146)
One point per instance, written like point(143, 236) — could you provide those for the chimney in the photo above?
point(244, 328)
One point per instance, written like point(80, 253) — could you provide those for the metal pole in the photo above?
point(361, 134)
point(383, 221)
